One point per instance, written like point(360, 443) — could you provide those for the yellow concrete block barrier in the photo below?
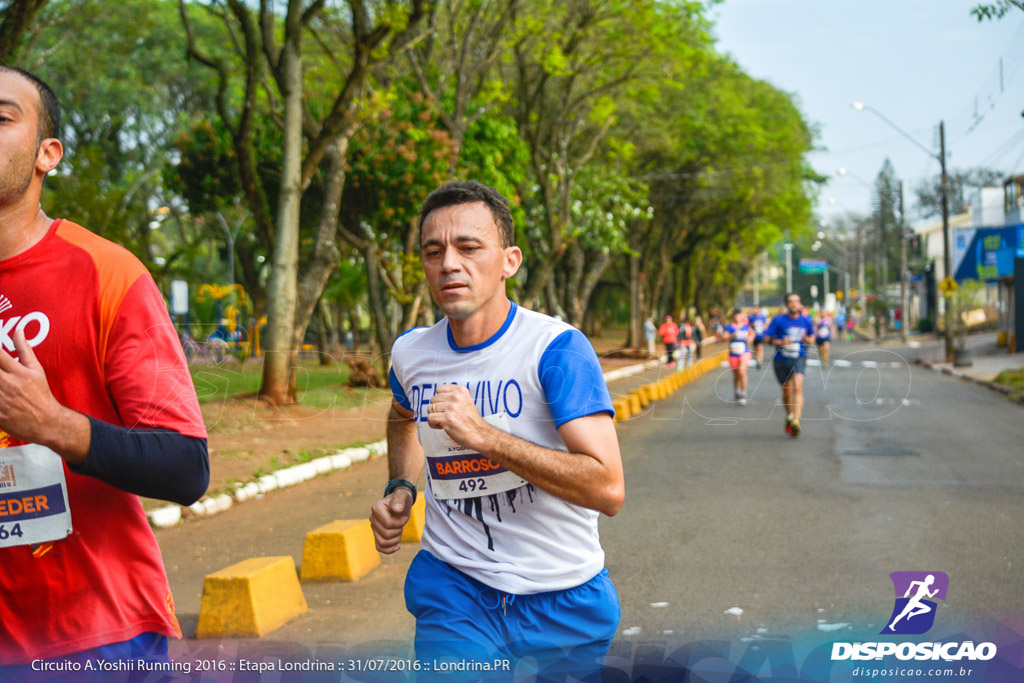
point(250, 599)
point(648, 392)
point(621, 406)
point(340, 551)
point(413, 531)
point(634, 404)
point(641, 397)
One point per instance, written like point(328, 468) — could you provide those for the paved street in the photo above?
point(731, 528)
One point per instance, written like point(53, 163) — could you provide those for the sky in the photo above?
point(915, 61)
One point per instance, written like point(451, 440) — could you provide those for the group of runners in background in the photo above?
point(790, 332)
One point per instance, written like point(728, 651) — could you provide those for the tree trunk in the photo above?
point(636, 312)
point(590, 281)
point(282, 288)
point(554, 305)
point(353, 322)
point(325, 259)
point(321, 336)
point(17, 20)
point(375, 291)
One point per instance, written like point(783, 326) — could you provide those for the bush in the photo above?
point(925, 325)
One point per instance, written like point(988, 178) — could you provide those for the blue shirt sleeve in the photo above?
point(773, 330)
point(571, 376)
point(397, 391)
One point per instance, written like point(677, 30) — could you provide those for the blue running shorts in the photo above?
point(785, 367)
point(459, 619)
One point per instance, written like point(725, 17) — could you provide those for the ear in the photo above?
point(513, 259)
point(51, 151)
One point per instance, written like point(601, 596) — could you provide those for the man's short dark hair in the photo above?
point(49, 110)
point(467, 192)
point(789, 295)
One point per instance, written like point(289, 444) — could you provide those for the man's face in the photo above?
point(19, 136)
point(464, 262)
point(793, 305)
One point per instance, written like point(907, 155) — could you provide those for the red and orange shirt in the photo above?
point(99, 327)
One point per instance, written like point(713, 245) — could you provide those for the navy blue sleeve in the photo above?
point(154, 463)
point(571, 376)
point(397, 391)
point(774, 329)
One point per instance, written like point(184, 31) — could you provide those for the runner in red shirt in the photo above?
point(96, 407)
point(669, 333)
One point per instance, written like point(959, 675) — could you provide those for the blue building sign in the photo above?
point(986, 253)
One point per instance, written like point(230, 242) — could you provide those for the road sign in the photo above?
point(813, 266)
point(948, 286)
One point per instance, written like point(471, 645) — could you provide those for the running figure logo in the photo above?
point(914, 612)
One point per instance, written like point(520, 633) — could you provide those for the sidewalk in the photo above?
point(988, 361)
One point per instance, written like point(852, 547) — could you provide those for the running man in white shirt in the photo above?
point(509, 410)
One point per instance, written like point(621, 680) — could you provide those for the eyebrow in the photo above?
point(11, 103)
point(460, 239)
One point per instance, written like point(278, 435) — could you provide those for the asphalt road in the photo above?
point(731, 529)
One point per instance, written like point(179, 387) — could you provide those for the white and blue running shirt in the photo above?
point(534, 375)
point(794, 331)
point(737, 335)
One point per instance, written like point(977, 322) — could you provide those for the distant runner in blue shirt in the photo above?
point(823, 337)
point(739, 334)
point(758, 323)
point(790, 332)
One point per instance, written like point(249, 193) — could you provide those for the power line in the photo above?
point(994, 86)
point(1000, 151)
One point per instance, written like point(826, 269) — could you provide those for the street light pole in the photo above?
point(757, 277)
point(789, 267)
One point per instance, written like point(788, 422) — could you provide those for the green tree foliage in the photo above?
point(886, 237)
point(394, 163)
point(996, 10)
point(724, 155)
point(17, 18)
point(121, 111)
point(646, 171)
point(574, 66)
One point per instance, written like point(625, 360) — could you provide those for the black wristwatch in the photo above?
point(395, 483)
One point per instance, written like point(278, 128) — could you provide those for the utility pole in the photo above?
point(946, 261)
point(860, 272)
point(904, 318)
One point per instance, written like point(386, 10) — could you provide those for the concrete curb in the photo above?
point(172, 515)
point(992, 386)
point(662, 388)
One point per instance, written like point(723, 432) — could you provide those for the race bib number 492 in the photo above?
point(458, 472)
point(33, 496)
